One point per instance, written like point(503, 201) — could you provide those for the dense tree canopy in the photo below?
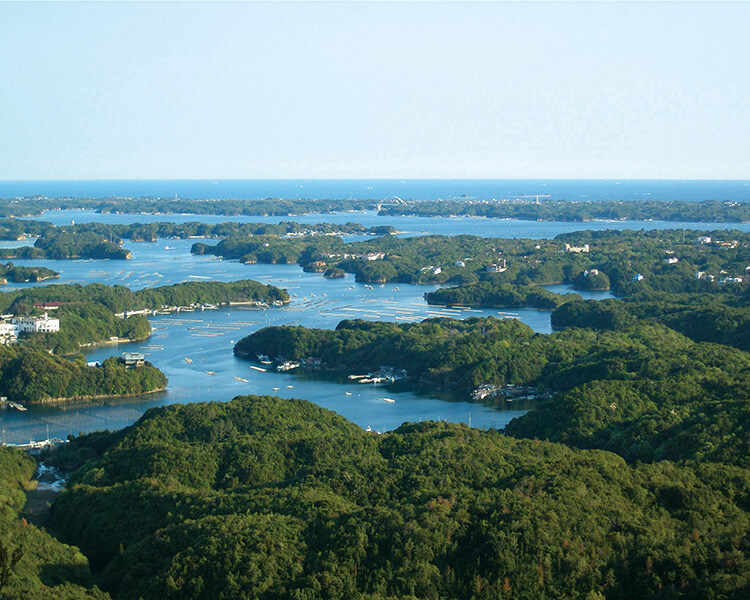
point(271, 498)
point(47, 569)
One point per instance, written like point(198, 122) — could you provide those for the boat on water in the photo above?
point(210, 372)
point(275, 389)
point(188, 360)
point(389, 400)
point(242, 379)
point(348, 393)
point(257, 368)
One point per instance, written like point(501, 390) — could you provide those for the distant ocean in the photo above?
point(378, 189)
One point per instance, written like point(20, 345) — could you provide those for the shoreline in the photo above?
point(89, 398)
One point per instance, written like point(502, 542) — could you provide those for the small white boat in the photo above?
point(389, 400)
point(257, 368)
point(242, 379)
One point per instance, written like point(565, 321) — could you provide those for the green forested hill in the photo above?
point(268, 498)
point(47, 569)
point(640, 389)
point(30, 375)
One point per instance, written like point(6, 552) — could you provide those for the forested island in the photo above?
point(67, 245)
point(667, 260)
point(511, 208)
point(105, 241)
point(28, 375)
point(19, 274)
point(19, 229)
point(499, 295)
point(578, 210)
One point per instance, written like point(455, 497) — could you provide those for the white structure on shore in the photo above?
point(11, 327)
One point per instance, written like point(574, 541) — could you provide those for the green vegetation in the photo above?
point(18, 274)
point(631, 481)
point(101, 240)
point(87, 312)
point(591, 280)
point(627, 261)
point(46, 569)
point(118, 298)
point(719, 318)
point(52, 236)
point(30, 375)
point(64, 245)
point(566, 210)
point(640, 390)
point(458, 355)
point(548, 210)
point(268, 498)
point(500, 295)
point(268, 206)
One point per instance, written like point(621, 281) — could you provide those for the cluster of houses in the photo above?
point(12, 326)
point(365, 256)
point(706, 240)
point(509, 392)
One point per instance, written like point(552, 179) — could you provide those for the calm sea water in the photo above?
point(414, 189)
point(207, 338)
point(408, 226)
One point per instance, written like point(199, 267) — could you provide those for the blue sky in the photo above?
point(348, 90)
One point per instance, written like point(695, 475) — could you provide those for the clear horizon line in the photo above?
point(737, 179)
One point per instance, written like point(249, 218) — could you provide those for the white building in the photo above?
point(584, 248)
point(11, 328)
point(43, 324)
